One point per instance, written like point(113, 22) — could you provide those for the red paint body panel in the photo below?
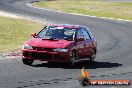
point(46, 56)
point(48, 43)
point(43, 49)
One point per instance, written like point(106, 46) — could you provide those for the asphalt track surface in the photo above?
point(114, 57)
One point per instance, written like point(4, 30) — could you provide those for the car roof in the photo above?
point(65, 25)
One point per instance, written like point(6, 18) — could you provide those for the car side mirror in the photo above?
point(33, 34)
point(80, 39)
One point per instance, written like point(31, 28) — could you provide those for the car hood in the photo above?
point(38, 42)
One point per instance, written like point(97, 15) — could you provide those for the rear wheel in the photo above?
point(93, 55)
point(27, 61)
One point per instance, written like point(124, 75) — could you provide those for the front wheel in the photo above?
point(93, 56)
point(27, 61)
point(73, 58)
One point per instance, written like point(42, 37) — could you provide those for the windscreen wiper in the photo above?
point(67, 39)
point(50, 39)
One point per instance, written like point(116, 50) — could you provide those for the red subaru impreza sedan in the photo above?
point(60, 43)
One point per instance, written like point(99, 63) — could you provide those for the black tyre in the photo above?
point(93, 55)
point(73, 58)
point(27, 61)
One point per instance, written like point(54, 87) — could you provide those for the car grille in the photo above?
point(37, 55)
point(43, 49)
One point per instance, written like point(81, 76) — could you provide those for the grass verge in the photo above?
point(101, 8)
point(14, 32)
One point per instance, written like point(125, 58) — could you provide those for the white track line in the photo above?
point(31, 5)
point(19, 16)
point(101, 17)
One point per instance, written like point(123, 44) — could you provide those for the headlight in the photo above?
point(27, 47)
point(60, 50)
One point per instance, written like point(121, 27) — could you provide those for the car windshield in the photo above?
point(53, 32)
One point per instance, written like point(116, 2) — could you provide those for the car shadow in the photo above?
point(79, 65)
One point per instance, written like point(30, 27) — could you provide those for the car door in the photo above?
point(88, 46)
point(80, 44)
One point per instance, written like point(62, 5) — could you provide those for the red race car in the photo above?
point(60, 43)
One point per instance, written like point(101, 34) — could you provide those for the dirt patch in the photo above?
point(6, 14)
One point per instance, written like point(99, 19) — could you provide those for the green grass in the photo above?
point(14, 32)
point(118, 10)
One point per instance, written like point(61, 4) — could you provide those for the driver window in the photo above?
point(79, 34)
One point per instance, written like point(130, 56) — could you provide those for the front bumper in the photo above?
point(46, 56)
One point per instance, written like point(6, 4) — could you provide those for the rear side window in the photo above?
point(87, 29)
point(85, 34)
point(80, 34)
